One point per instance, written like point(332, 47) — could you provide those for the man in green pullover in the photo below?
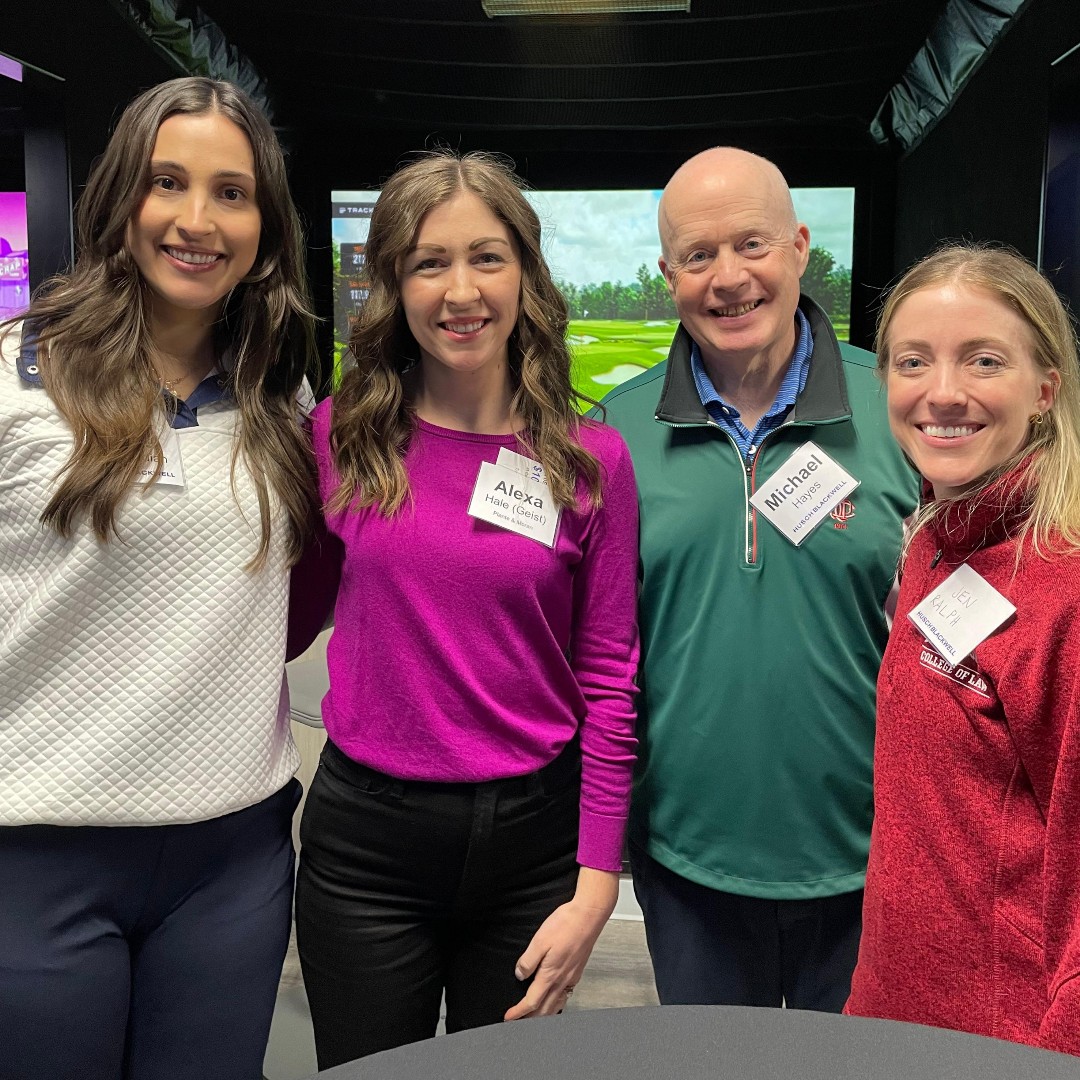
point(771, 497)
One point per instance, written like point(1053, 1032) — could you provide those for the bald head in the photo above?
point(733, 256)
point(719, 172)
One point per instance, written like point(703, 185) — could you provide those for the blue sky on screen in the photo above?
point(594, 236)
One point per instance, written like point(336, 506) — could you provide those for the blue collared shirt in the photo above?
point(727, 416)
point(182, 414)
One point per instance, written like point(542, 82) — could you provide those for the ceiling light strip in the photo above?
point(492, 8)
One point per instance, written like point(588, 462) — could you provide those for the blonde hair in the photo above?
point(372, 419)
point(1052, 522)
point(92, 328)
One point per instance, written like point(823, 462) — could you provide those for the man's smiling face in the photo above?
point(733, 257)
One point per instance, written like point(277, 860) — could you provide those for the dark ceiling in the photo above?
point(420, 66)
point(586, 101)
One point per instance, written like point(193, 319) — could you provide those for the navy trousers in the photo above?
point(408, 889)
point(715, 948)
point(144, 953)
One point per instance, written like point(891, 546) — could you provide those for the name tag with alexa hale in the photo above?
point(515, 496)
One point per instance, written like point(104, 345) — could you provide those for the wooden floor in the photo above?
point(619, 972)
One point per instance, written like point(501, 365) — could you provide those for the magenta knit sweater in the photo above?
point(464, 652)
point(972, 909)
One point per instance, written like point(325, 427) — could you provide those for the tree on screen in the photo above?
point(827, 283)
point(644, 299)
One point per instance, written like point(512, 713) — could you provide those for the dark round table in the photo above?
point(698, 1042)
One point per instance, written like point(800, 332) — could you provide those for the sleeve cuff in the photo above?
point(600, 841)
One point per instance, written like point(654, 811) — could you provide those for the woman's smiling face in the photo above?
point(963, 383)
point(461, 286)
point(196, 233)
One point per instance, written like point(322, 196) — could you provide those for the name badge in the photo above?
point(531, 470)
point(964, 610)
point(797, 498)
point(512, 499)
point(172, 467)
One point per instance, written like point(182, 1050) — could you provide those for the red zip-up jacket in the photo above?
point(972, 907)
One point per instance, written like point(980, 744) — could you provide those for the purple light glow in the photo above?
point(11, 68)
point(14, 263)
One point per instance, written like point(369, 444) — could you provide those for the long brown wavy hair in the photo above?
point(95, 345)
point(373, 420)
point(1052, 523)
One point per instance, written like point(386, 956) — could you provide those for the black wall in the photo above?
point(103, 62)
point(979, 173)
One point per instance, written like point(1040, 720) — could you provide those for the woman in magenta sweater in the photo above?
point(972, 905)
point(464, 831)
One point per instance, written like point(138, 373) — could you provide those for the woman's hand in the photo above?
point(560, 949)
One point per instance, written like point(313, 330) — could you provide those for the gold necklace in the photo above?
point(171, 384)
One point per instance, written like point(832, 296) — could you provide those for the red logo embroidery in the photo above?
point(842, 513)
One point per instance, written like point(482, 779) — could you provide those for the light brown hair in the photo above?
point(372, 420)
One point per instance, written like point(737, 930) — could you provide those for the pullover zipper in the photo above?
point(750, 476)
point(749, 472)
point(748, 469)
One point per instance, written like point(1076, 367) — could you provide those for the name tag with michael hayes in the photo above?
point(510, 498)
point(172, 466)
point(797, 498)
point(961, 613)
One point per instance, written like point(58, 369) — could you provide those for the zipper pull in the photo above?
point(936, 559)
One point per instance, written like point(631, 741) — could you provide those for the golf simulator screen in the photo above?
point(602, 248)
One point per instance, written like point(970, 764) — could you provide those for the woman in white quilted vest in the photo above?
point(156, 485)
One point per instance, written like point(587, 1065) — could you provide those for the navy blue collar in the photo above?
point(26, 363)
point(212, 389)
point(182, 414)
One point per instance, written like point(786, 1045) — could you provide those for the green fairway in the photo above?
point(610, 351)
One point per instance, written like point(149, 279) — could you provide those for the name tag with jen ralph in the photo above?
point(508, 497)
point(172, 467)
point(963, 611)
point(798, 497)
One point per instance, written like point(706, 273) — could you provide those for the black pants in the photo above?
point(144, 953)
point(409, 888)
point(715, 948)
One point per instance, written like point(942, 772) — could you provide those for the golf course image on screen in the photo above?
point(602, 247)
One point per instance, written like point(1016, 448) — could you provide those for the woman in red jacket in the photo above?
point(972, 905)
